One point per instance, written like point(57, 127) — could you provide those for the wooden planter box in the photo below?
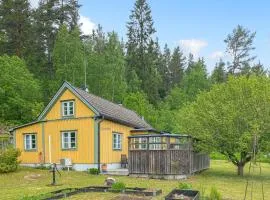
point(188, 195)
point(59, 194)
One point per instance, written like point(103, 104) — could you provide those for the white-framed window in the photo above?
point(140, 143)
point(69, 139)
point(117, 141)
point(30, 141)
point(155, 140)
point(67, 108)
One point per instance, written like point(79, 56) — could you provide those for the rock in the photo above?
point(109, 181)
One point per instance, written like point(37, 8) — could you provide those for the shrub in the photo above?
point(43, 167)
point(94, 171)
point(184, 186)
point(214, 194)
point(118, 186)
point(9, 160)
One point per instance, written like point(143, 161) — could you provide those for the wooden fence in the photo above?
point(167, 162)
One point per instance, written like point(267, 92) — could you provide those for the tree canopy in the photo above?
point(20, 94)
point(226, 118)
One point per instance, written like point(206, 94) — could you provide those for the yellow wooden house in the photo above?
point(86, 129)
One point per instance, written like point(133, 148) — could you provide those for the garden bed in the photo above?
point(178, 194)
point(63, 193)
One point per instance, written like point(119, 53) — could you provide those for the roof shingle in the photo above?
point(113, 111)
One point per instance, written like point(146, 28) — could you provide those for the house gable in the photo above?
point(80, 109)
point(66, 92)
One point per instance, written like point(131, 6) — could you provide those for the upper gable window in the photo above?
point(68, 108)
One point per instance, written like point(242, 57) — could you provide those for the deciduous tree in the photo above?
point(226, 118)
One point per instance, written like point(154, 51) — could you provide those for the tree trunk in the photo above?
point(240, 169)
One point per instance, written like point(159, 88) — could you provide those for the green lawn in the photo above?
point(221, 175)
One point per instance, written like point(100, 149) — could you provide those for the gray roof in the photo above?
point(101, 107)
point(113, 111)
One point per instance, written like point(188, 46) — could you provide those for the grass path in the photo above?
point(221, 175)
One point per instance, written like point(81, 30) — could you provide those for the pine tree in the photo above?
point(239, 45)
point(15, 23)
point(219, 74)
point(142, 51)
point(258, 69)
point(190, 63)
point(177, 67)
point(165, 72)
point(196, 80)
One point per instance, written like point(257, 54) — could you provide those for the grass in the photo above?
point(221, 175)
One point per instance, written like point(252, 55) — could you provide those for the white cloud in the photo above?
point(217, 55)
point(193, 46)
point(34, 3)
point(87, 25)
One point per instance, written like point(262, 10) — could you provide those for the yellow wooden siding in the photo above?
point(107, 154)
point(29, 156)
point(81, 110)
point(84, 152)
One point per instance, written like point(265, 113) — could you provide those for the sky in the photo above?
point(197, 26)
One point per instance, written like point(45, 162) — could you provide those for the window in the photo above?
point(67, 108)
point(140, 143)
point(30, 142)
point(155, 140)
point(117, 141)
point(69, 140)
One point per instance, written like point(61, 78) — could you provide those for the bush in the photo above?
point(9, 160)
point(94, 171)
point(214, 194)
point(184, 186)
point(118, 186)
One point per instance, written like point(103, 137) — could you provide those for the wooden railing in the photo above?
point(167, 162)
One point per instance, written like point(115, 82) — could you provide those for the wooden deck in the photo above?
point(167, 162)
point(164, 155)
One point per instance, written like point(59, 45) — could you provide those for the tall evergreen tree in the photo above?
point(258, 69)
point(219, 74)
point(141, 49)
point(239, 45)
point(177, 66)
point(164, 71)
point(15, 23)
point(195, 80)
point(190, 63)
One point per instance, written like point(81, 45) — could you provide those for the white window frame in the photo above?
point(66, 108)
point(117, 141)
point(68, 141)
point(140, 143)
point(30, 148)
point(154, 140)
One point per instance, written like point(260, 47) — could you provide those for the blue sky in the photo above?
point(199, 26)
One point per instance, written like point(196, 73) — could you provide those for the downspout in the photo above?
point(98, 120)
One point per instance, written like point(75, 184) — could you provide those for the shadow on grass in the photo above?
point(218, 172)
